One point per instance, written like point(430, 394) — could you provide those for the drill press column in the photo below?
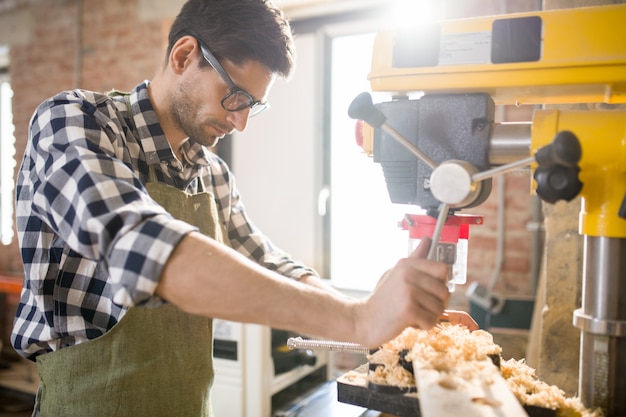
point(602, 317)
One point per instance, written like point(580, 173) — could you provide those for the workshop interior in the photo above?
point(496, 128)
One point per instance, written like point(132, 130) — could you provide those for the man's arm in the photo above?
point(207, 278)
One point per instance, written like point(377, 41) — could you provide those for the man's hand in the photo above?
point(413, 293)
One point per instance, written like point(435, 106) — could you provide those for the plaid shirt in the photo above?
point(93, 242)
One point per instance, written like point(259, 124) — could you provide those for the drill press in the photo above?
point(438, 151)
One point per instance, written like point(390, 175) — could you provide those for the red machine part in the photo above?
point(455, 228)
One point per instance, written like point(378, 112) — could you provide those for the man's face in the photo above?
point(196, 101)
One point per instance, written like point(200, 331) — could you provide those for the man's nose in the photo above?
point(239, 119)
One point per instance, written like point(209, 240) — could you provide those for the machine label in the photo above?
point(465, 48)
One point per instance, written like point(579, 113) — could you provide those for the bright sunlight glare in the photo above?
point(408, 13)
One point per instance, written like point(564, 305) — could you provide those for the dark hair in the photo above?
point(239, 31)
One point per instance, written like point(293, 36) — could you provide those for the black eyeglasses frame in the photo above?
point(255, 106)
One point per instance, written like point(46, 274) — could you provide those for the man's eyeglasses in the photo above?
point(237, 98)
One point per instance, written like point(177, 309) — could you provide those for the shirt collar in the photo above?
point(153, 141)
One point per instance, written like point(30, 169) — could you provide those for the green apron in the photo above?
point(154, 362)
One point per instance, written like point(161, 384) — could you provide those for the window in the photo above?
point(365, 239)
point(7, 152)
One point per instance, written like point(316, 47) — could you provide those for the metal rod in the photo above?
point(602, 322)
point(412, 148)
point(502, 169)
point(300, 343)
point(441, 220)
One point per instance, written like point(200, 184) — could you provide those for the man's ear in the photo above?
point(183, 54)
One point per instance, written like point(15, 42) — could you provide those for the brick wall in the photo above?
point(515, 273)
point(63, 44)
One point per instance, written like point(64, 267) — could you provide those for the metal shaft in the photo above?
point(503, 169)
point(509, 142)
point(300, 343)
point(441, 220)
point(602, 321)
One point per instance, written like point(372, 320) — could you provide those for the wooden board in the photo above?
point(445, 395)
point(353, 388)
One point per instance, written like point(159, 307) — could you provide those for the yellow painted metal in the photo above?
point(583, 60)
point(602, 135)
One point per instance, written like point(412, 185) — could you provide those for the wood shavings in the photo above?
point(461, 356)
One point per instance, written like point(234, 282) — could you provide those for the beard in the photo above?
point(183, 112)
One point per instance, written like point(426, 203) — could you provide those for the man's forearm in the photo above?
point(206, 278)
point(319, 283)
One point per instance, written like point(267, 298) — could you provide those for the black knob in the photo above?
point(362, 108)
point(564, 150)
point(557, 182)
point(557, 171)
